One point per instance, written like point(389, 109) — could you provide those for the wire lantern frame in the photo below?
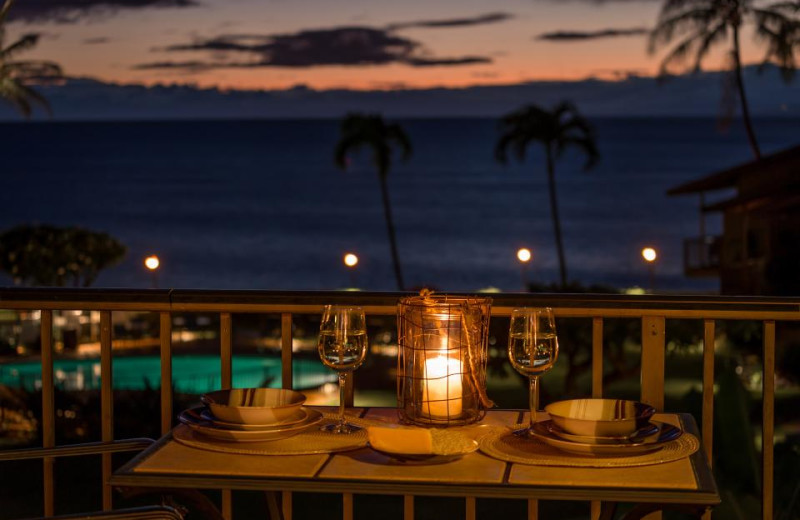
point(441, 359)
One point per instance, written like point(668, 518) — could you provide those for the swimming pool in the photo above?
point(193, 374)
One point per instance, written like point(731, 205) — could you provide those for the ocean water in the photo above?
point(260, 205)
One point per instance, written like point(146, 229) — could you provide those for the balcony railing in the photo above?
point(653, 311)
point(701, 255)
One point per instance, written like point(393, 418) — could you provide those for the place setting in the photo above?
point(577, 432)
point(270, 421)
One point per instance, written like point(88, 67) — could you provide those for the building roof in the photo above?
point(730, 177)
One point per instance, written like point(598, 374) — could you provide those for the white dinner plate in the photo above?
point(297, 418)
point(667, 432)
point(639, 435)
point(194, 420)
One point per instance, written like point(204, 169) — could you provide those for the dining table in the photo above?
point(685, 483)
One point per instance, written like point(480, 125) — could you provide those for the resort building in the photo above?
point(758, 250)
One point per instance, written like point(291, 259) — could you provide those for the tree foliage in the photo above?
point(694, 27)
point(54, 256)
point(381, 138)
point(556, 130)
point(16, 77)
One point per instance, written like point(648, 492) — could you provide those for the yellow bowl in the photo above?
point(253, 405)
point(599, 417)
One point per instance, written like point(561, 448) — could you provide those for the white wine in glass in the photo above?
point(532, 349)
point(342, 346)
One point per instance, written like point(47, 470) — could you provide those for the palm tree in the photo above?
point(703, 24)
point(15, 76)
point(556, 130)
point(370, 130)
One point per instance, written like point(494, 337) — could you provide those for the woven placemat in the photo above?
point(309, 442)
point(502, 444)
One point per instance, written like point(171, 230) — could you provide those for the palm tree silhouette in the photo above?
point(370, 130)
point(16, 75)
point(703, 24)
point(556, 130)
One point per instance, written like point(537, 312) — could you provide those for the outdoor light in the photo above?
point(442, 352)
point(350, 260)
point(524, 254)
point(649, 254)
point(152, 262)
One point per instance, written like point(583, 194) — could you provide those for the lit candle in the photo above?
point(442, 386)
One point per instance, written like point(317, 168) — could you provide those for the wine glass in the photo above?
point(342, 347)
point(532, 349)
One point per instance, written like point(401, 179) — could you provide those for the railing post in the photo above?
point(408, 507)
point(106, 401)
point(652, 375)
point(597, 384)
point(286, 350)
point(166, 372)
point(709, 338)
point(226, 380)
point(768, 421)
point(226, 350)
point(286, 382)
point(48, 409)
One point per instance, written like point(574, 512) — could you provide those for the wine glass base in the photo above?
point(340, 428)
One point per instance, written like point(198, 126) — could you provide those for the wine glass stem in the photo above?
point(342, 379)
point(534, 398)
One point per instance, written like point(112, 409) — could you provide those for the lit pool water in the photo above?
point(190, 374)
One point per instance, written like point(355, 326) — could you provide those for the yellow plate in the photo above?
point(448, 445)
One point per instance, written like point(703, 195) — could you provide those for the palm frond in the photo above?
point(770, 17)
point(667, 28)
point(32, 70)
point(670, 7)
point(4, 9)
point(371, 131)
point(343, 147)
point(395, 133)
point(32, 95)
point(564, 109)
point(790, 7)
point(780, 47)
point(13, 93)
point(680, 53)
point(577, 124)
point(716, 34)
point(585, 145)
point(27, 41)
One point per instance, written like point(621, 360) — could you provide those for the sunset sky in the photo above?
point(357, 44)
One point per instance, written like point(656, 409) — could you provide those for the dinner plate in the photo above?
point(641, 434)
point(667, 432)
point(298, 417)
point(194, 420)
point(448, 445)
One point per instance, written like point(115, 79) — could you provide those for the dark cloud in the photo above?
point(456, 22)
point(564, 36)
point(70, 11)
point(97, 41)
point(351, 46)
